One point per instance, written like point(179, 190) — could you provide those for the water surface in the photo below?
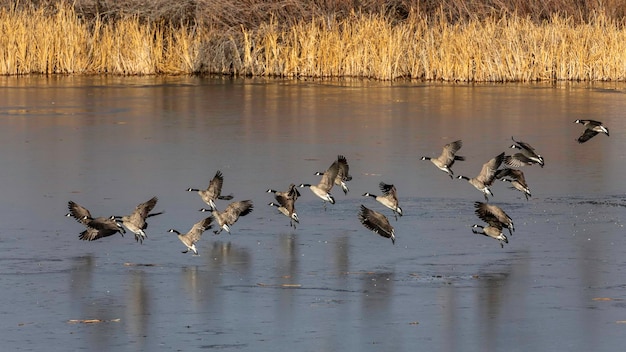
point(110, 143)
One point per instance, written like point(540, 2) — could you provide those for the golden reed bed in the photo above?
point(497, 49)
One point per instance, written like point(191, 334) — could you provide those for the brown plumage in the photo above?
point(343, 173)
point(592, 127)
point(231, 214)
point(493, 230)
point(389, 198)
point(492, 214)
point(190, 238)
point(516, 178)
point(291, 192)
point(486, 176)
point(527, 155)
point(447, 158)
point(136, 221)
point(97, 228)
point(286, 205)
point(322, 190)
point(377, 222)
point(213, 191)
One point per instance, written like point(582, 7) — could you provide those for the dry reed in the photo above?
point(505, 47)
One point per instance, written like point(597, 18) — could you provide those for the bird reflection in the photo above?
point(286, 271)
point(342, 257)
point(287, 266)
point(377, 293)
point(137, 306)
point(90, 303)
point(225, 253)
point(498, 289)
point(491, 297)
point(81, 276)
point(199, 288)
point(200, 282)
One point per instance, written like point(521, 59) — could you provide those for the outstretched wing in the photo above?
point(78, 212)
point(376, 222)
point(198, 228)
point(141, 212)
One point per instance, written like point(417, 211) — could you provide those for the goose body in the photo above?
point(592, 127)
point(231, 214)
point(526, 156)
point(492, 230)
point(389, 198)
point(486, 176)
point(213, 191)
point(322, 190)
point(136, 221)
point(291, 192)
point(447, 158)
point(97, 228)
point(516, 178)
point(377, 222)
point(343, 173)
point(286, 206)
point(492, 214)
point(190, 238)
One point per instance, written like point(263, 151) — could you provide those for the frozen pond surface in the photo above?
point(330, 285)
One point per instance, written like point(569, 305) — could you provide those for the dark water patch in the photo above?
point(297, 287)
point(234, 346)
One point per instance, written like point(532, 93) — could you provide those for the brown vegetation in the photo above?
point(473, 40)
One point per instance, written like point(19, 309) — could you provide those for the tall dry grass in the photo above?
point(396, 42)
point(36, 40)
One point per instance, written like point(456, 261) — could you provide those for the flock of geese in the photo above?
point(338, 174)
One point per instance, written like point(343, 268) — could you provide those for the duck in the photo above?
point(389, 198)
point(230, 215)
point(136, 221)
point(377, 222)
point(322, 190)
point(447, 158)
point(592, 127)
point(286, 205)
point(97, 228)
point(516, 178)
point(526, 156)
point(490, 214)
point(486, 176)
point(213, 191)
point(343, 174)
point(190, 238)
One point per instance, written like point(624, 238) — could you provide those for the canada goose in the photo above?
point(286, 206)
point(526, 156)
point(213, 191)
point(96, 227)
point(322, 190)
point(592, 127)
point(292, 192)
point(190, 238)
point(230, 215)
point(377, 222)
point(447, 158)
point(490, 213)
point(343, 173)
point(516, 178)
point(388, 199)
point(486, 176)
point(492, 230)
point(136, 221)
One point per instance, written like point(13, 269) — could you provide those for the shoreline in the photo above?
point(366, 46)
